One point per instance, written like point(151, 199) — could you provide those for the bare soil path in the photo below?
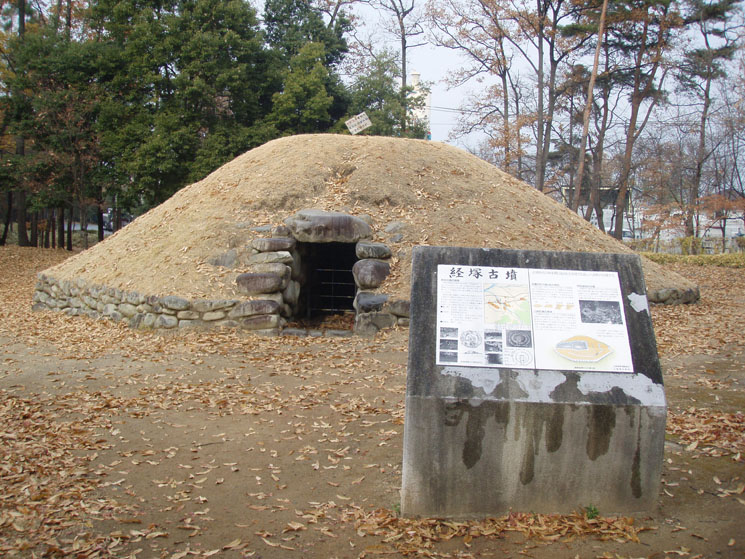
point(115, 443)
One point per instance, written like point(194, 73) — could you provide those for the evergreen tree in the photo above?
point(304, 104)
point(189, 82)
point(290, 24)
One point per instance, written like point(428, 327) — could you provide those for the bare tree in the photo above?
point(405, 24)
point(588, 105)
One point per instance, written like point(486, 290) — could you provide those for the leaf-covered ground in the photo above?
point(115, 443)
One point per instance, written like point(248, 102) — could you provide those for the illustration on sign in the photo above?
point(531, 319)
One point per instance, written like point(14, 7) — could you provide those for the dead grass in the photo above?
point(443, 195)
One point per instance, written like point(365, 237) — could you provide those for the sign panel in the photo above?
point(358, 123)
point(526, 318)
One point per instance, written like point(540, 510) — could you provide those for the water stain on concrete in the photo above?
point(601, 422)
point(636, 478)
point(544, 422)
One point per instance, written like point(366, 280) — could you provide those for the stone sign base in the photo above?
point(482, 440)
point(539, 442)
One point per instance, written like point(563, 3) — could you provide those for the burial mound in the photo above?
point(217, 245)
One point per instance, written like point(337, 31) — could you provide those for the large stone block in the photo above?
point(277, 268)
point(366, 249)
point(480, 440)
point(261, 322)
point(291, 293)
point(127, 310)
point(399, 307)
point(318, 226)
point(251, 308)
point(175, 303)
point(369, 274)
point(208, 305)
point(370, 323)
point(258, 283)
point(273, 244)
point(366, 301)
point(166, 321)
point(280, 256)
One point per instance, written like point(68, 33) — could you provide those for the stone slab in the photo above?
point(318, 226)
point(480, 441)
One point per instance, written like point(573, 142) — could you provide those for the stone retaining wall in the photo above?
point(270, 282)
point(76, 297)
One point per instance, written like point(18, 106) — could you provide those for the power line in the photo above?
point(450, 110)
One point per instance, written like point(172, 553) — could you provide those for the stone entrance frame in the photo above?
point(479, 442)
point(331, 266)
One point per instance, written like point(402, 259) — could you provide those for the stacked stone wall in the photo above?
point(76, 297)
point(270, 285)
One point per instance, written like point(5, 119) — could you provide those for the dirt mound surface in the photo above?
point(416, 192)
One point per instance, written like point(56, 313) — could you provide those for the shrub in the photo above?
point(727, 260)
point(690, 245)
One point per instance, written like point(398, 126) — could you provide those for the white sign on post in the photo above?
point(358, 123)
point(527, 318)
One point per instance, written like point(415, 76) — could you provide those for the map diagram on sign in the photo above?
point(506, 305)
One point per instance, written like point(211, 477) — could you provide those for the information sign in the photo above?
point(358, 123)
point(526, 318)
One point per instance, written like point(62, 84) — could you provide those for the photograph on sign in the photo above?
point(531, 319)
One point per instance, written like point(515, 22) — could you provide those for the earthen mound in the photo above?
point(411, 192)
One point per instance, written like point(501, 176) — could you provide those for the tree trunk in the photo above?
point(588, 109)
point(53, 223)
point(21, 145)
point(34, 229)
point(60, 227)
point(99, 219)
point(540, 157)
point(48, 227)
point(404, 117)
point(637, 98)
point(68, 20)
point(695, 188)
point(8, 217)
point(21, 217)
point(84, 224)
point(69, 229)
point(506, 120)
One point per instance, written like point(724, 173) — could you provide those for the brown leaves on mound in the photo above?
point(418, 537)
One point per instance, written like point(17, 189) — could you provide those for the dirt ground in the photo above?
point(116, 443)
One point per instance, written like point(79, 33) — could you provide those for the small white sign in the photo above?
point(358, 123)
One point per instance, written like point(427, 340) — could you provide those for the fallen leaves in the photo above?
point(45, 476)
point(305, 419)
point(709, 432)
point(418, 537)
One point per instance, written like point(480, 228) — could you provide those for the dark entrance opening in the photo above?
point(328, 287)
